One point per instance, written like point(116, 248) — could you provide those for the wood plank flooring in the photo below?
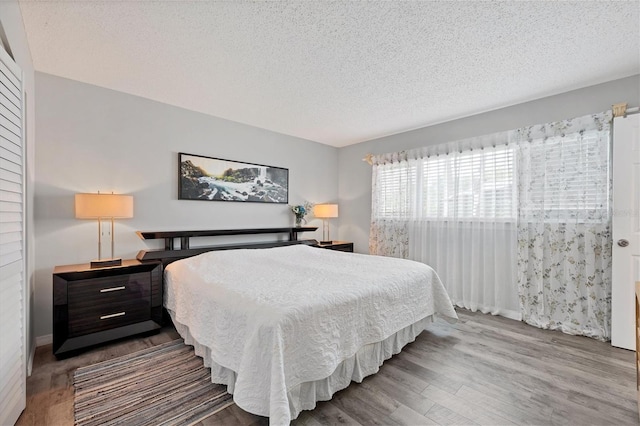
point(480, 370)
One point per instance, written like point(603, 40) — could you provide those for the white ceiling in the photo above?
point(336, 72)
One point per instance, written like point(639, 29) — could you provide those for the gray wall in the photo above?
point(93, 139)
point(355, 175)
point(11, 21)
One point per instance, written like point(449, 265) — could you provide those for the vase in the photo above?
point(298, 221)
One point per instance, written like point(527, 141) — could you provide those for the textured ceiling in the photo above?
point(336, 72)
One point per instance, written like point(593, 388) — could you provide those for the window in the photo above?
point(566, 175)
point(509, 226)
point(561, 178)
point(396, 187)
point(468, 185)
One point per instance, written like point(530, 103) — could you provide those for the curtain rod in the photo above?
point(619, 110)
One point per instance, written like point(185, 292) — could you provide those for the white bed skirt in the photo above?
point(365, 362)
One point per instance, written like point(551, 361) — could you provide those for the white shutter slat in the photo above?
point(11, 237)
point(10, 125)
point(10, 270)
point(11, 197)
point(5, 185)
point(10, 166)
point(6, 227)
point(8, 155)
point(10, 141)
point(10, 111)
point(7, 206)
point(10, 258)
point(8, 248)
point(12, 228)
point(10, 95)
point(9, 355)
point(10, 104)
point(10, 217)
point(7, 96)
point(9, 292)
point(12, 73)
point(6, 398)
point(10, 176)
point(8, 89)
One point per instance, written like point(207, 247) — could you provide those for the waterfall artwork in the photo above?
point(215, 179)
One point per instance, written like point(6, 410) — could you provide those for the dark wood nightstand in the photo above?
point(338, 246)
point(96, 305)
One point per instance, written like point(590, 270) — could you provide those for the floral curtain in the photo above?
point(564, 225)
point(516, 223)
point(389, 238)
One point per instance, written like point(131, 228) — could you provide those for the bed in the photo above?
point(286, 327)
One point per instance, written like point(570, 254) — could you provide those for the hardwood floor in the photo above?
point(480, 370)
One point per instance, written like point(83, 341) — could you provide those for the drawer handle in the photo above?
point(119, 314)
point(107, 290)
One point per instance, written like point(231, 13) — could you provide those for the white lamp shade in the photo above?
point(96, 206)
point(325, 211)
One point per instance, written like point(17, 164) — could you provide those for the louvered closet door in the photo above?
point(12, 235)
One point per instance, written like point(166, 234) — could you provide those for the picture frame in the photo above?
point(216, 179)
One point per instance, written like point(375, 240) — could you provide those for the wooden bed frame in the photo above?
point(170, 253)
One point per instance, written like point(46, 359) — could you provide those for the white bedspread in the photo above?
point(284, 316)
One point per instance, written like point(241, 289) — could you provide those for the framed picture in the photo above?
point(215, 179)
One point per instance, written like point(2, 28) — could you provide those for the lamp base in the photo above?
point(104, 263)
point(326, 242)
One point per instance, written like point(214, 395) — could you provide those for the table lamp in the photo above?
point(325, 212)
point(104, 206)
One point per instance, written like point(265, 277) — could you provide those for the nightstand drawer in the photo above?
point(86, 319)
point(101, 303)
point(108, 290)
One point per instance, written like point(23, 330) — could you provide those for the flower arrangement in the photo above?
point(300, 211)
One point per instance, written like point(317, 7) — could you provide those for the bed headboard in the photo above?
point(170, 253)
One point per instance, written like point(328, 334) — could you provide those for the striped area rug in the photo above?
point(163, 385)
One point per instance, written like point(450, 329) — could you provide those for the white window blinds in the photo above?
point(475, 184)
point(12, 235)
point(469, 185)
point(396, 189)
point(566, 176)
point(556, 178)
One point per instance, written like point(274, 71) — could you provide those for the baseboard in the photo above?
point(47, 339)
point(32, 355)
